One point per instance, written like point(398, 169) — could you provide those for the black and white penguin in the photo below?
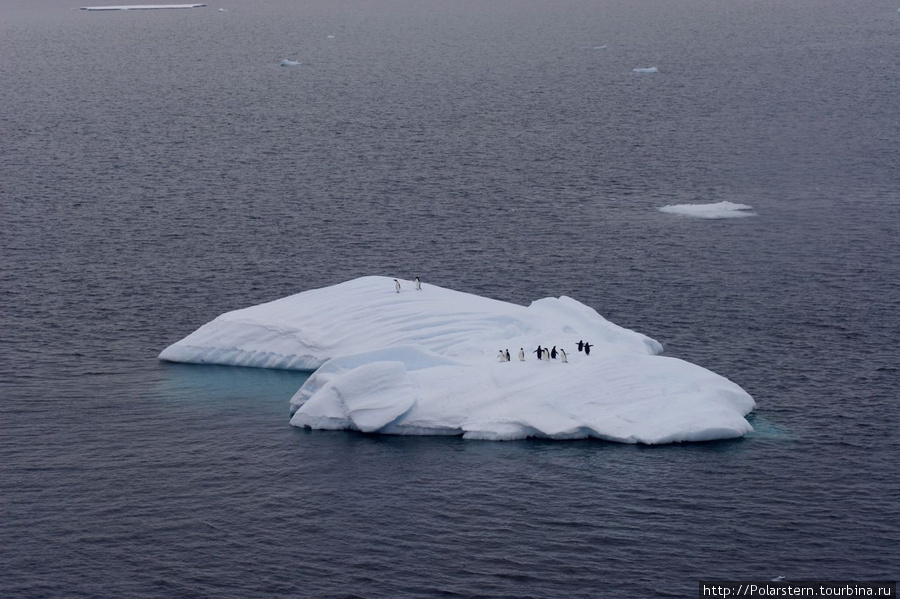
point(501, 357)
point(507, 355)
point(521, 354)
point(418, 284)
point(546, 355)
point(553, 352)
point(397, 285)
point(587, 348)
point(580, 345)
point(562, 355)
point(538, 351)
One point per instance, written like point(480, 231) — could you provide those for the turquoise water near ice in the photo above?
point(158, 168)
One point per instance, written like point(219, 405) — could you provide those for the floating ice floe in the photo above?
point(646, 70)
point(717, 210)
point(142, 7)
point(600, 47)
point(424, 363)
point(223, 10)
point(289, 63)
point(329, 37)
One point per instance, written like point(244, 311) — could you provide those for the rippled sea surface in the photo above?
point(158, 168)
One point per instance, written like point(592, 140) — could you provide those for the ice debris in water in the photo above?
point(289, 63)
point(142, 7)
point(330, 37)
point(646, 70)
point(600, 47)
point(422, 362)
point(717, 210)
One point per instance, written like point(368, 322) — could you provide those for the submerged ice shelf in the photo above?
point(423, 362)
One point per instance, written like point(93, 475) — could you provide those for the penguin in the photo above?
point(587, 348)
point(501, 357)
point(538, 351)
point(553, 352)
point(562, 354)
point(397, 285)
point(546, 355)
point(418, 284)
point(507, 355)
point(580, 345)
point(521, 354)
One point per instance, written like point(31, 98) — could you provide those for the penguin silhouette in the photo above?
point(418, 284)
point(538, 351)
point(562, 354)
point(587, 348)
point(580, 345)
point(553, 352)
point(521, 354)
point(397, 285)
point(507, 355)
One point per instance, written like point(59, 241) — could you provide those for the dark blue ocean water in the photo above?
point(158, 168)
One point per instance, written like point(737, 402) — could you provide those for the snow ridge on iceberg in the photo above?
point(424, 362)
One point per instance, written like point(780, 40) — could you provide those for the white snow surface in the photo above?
point(424, 363)
point(717, 210)
point(142, 7)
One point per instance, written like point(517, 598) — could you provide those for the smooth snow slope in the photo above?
point(424, 362)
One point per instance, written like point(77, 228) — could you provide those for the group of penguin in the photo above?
point(545, 354)
point(418, 285)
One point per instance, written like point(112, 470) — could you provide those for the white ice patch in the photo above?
point(646, 70)
point(142, 7)
point(423, 363)
point(289, 63)
point(717, 210)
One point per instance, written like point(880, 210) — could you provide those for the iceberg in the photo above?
point(142, 7)
point(646, 70)
point(717, 210)
point(423, 362)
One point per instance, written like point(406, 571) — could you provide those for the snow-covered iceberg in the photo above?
point(424, 362)
point(717, 210)
point(142, 7)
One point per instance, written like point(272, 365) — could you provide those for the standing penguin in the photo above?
point(501, 357)
point(397, 285)
point(418, 284)
point(546, 355)
point(562, 354)
point(521, 354)
point(553, 352)
point(507, 355)
point(538, 351)
point(587, 348)
point(580, 345)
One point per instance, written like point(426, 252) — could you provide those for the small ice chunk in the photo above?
point(603, 47)
point(330, 37)
point(289, 63)
point(142, 7)
point(718, 210)
point(222, 10)
point(646, 70)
